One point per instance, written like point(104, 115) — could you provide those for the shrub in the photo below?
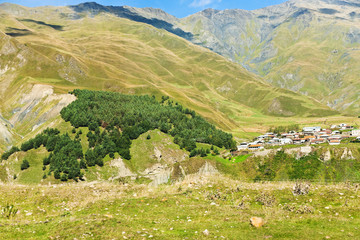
point(266, 199)
point(301, 189)
point(7, 154)
point(25, 164)
point(9, 211)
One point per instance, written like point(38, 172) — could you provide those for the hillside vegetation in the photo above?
point(185, 210)
point(113, 120)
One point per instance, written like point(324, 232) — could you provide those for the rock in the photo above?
point(301, 189)
point(327, 156)
point(206, 232)
point(207, 169)
point(257, 222)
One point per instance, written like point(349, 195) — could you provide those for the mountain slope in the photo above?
point(55, 49)
point(307, 46)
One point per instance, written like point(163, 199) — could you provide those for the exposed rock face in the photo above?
point(159, 174)
point(326, 156)
point(208, 169)
point(123, 170)
point(40, 95)
point(5, 134)
point(347, 154)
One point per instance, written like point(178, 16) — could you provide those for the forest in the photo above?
point(114, 120)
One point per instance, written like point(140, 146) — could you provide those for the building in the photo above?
point(334, 142)
point(285, 141)
point(355, 132)
point(324, 136)
point(243, 145)
point(255, 146)
point(317, 141)
point(311, 130)
point(308, 138)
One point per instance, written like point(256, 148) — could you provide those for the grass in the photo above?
point(158, 149)
point(182, 210)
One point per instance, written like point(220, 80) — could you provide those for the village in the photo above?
point(308, 136)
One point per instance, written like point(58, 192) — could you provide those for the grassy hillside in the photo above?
point(222, 206)
point(60, 48)
point(296, 45)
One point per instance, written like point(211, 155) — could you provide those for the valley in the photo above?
point(119, 122)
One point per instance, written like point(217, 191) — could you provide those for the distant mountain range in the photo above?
point(308, 46)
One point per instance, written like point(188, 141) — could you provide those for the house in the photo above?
point(255, 146)
point(317, 141)
point(311, 130)
point(270, 135)
point(334, 142)
point(308, 138)
point(285, 141)
point(284, 135)
point(297, 141)
point(355, 132)
point(334, 126)
point(324, 136)
point(243, 145)
point(334, 137)
point(336, 132)
point(325, 131)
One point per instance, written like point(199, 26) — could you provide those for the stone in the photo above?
point(257, 222)
point(206, 232)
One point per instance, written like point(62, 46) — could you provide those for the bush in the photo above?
point(64, 177)
point(25, 164)
point(148, 137)
point(7, 154)
point(9, 211)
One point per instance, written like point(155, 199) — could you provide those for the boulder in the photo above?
point(257, 222)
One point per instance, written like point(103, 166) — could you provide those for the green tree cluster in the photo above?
point(135, 115)
point(65, 153)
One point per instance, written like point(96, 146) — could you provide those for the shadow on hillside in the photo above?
point(53, 26)
point(17, 32)
point(94, 9)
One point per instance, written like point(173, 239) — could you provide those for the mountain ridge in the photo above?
point(58, 49)
point(266, 41)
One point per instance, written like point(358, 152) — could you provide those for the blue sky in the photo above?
point(179, 8)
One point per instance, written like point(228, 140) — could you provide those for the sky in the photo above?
point(178, 8)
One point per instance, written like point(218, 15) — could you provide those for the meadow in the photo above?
point(183, 210)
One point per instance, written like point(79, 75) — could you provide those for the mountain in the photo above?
point(307, 46)
point(48, 51)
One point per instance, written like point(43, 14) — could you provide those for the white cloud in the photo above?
point(203, 3)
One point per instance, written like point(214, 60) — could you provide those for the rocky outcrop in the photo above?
point(207, 169)
point(40, 96)
point(123, 171)
point(159, 174)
